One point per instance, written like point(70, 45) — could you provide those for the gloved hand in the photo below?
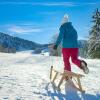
point(55, 47)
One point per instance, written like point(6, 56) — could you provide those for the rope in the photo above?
point(51, 60)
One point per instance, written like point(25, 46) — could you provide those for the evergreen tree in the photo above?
point(94, 36)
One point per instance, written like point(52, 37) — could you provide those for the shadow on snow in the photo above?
point(69, 95)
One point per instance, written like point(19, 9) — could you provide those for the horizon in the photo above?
point(36, 42)
point(38, 20)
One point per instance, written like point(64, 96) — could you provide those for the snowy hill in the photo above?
point(24, 76)
point(19, 44)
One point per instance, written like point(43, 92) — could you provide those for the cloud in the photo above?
point(69, 4)
point(39, 3)
point(57, 4)
point(23, 29)
point(88, 3)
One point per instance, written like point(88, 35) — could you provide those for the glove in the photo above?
point(55, 47)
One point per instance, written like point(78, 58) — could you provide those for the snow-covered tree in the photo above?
point(53, 41)
point(94, 36)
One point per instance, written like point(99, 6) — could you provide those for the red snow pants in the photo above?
point(73, 53)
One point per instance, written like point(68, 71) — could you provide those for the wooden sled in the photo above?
point(70, 75)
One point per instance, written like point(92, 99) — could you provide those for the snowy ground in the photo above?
point(25, 76)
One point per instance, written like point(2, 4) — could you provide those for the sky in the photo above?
point(39, 20)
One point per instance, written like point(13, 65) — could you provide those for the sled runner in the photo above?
point(74, 77)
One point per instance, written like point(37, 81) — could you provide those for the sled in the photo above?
point(74, 77)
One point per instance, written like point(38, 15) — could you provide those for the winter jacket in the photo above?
point(68, 36)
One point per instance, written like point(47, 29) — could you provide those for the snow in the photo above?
point(25, 76)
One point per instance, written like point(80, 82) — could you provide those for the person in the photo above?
point(68, 36)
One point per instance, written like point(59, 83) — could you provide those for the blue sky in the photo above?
point(39, 20)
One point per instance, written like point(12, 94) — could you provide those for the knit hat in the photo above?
point(65, 19)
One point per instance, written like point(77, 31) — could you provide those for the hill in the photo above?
point(9, 42)
point(25, 76)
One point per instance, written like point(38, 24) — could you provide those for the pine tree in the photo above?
point(94, 36)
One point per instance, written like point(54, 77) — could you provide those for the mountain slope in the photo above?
point(19, 44)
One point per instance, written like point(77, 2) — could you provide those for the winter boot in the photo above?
point(84, 67)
